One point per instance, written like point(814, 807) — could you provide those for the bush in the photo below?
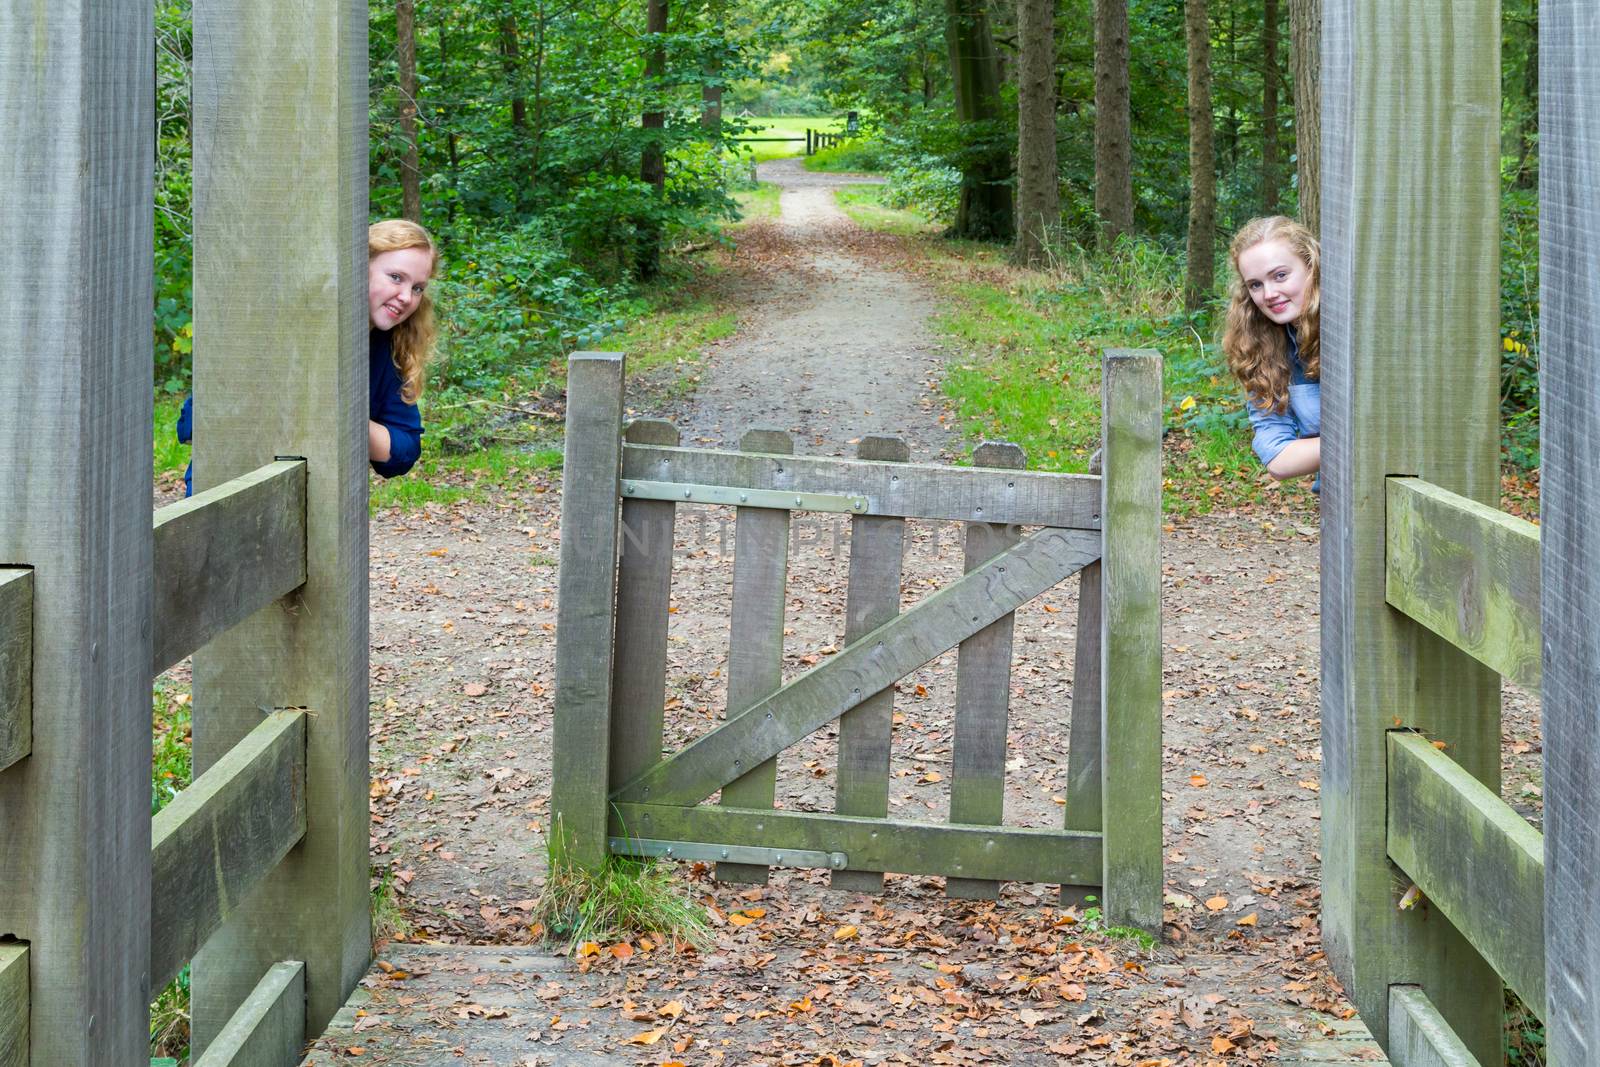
point(926, 185)
point(861, 156)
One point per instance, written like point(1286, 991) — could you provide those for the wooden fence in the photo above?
point(1436, 892)
point(613, 791)
point(257, 872)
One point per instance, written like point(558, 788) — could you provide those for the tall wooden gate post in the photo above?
point(1569, 228)
point(280, 369)
point(1410, 299)
point(1130, 642)
point(587, 608)
point(75, 373)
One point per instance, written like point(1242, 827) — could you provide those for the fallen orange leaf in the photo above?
point(1217, 903)
point(845, 933)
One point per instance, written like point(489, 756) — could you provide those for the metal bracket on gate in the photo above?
point(751, 854)
point(633, 489)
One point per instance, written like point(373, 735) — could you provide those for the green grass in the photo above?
point(864, 204)
point(859, 156)
point(760, 202)
point(169, 454)
point(786, 126)
point(623, 899)
point(171, 771)
point(443, 479)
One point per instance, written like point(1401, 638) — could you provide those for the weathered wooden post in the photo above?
point(1410, 299)
point(1569, 230)
point(1130, 641)
point(587, 610)
point(75, 372)
point(280, 369)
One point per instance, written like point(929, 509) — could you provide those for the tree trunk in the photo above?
point(1305, 29)
point(511, 63)
point(985, 209)
point(1202, 160)
point(653, 159)
point(1113, 139)
point(405, 33)
point(1269, 109)
point(1038, 186)
point(450, 137)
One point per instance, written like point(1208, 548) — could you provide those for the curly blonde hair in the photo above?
point(1257, 348)
point(412, 341)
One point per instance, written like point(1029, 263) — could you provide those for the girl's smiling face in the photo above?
point(395, 283)
point(1276, 280)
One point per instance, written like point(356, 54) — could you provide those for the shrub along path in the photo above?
point(463, 612)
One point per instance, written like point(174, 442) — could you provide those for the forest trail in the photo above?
point(463, 614)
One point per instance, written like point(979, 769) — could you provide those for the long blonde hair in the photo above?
point(411, 342)
point(1258, 348)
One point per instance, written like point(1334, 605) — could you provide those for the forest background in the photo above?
point(570, 154)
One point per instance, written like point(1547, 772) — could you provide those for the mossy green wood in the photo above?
point(224, 554)
point(280, 369)
point(644, 595)
point(269, 1029)
point(864, 667)
point(983, 691)
point(1468, 572)
point(755, 638)
point(1569, 518)
point(16, 665)
point(586, 612)
point(14, 1005)
point(911, 490)
point(866, 731)
point(215, 842)
point(1005, 853)
point(76, 121)
point(1410, 372)
point(1473, 857)
point(1419, 1036)
point(1130, 638)
point(1084, 775)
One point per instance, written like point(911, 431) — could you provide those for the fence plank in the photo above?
point(1472, 856)
point(281, 362)
point(1468, 572)
point(755, 643)
point(962, 494)
point(983, 691)
point(16, 665)
point(1419, 1035)
point(586, 612)
point(1410, 372)
point(224, 554)
point(866, 731)
point(877, 660)
point(1006, 853)
point(1569, 517)
point(14, 1006)
point(1130, 642)
point(1084, 768)
point(76, 122)
point(221, 836)
point(644, 594)
point(269, 1029)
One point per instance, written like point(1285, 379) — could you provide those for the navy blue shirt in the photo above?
point(385, 406)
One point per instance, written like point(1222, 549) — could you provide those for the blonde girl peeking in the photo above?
point(1272, 342)
point(401, 260)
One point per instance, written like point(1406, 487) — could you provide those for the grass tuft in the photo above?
point(623, 899)
point(388, 917)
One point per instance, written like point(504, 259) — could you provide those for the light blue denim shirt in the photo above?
point(1273, 430)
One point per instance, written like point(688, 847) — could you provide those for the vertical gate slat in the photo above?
point(1130, 648)
point(983, 692)
point(76, 115)
point(1083, 742)
point(755, 652)
point(877, 550)
point(644, 593)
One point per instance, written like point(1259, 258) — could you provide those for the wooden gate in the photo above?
point(615, 793)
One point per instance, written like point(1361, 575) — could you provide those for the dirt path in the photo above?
point(463, 616)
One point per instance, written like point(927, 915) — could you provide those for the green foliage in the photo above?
point(1524, 1034)
point(622, 899)
point(1519, 321)
point(171, 771)
point(859, 156)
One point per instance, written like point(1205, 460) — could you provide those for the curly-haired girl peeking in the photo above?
point(1272, 344)
point(401, 259)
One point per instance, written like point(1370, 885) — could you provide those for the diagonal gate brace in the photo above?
point(866, 666)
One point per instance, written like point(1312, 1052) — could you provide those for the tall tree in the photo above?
point(1305, 31)
point(1202, 160)
point(984, 211)
point(1038, 182)
point(653, 160)
point(511, 63)
point(406, 59)
point(1269, 109)
point(1113, 140)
